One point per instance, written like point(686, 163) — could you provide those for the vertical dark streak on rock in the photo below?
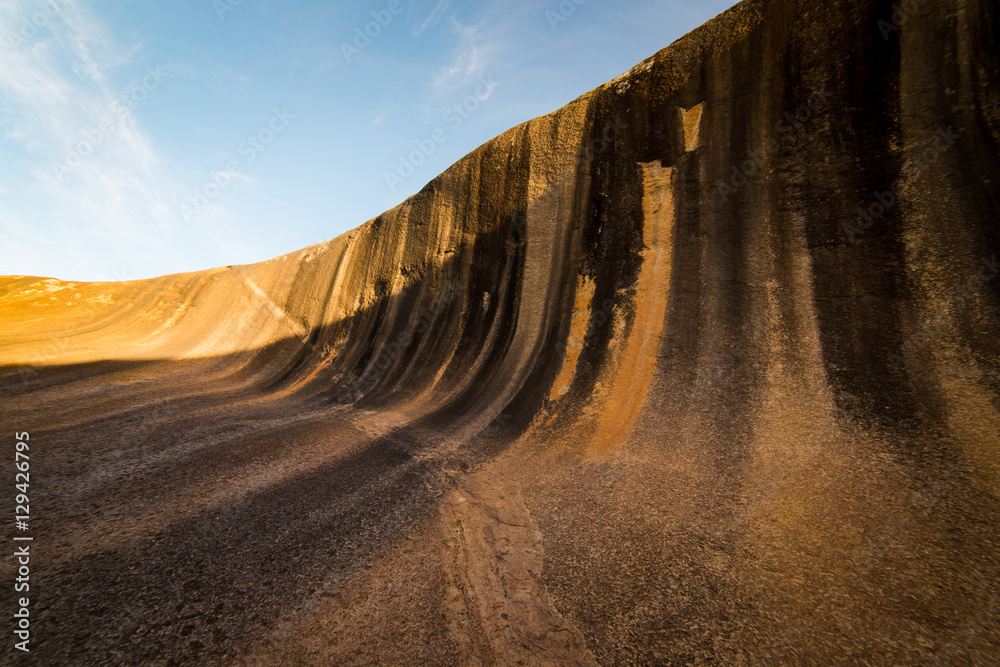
point(858, 287)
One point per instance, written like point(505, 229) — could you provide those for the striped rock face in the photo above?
point(701, 368)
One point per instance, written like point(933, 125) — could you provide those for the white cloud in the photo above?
point(434, 18)
point(93, 173)
point(471, 58)
point(237, 177)
point(379, 118)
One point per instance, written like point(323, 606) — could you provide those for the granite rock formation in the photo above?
point(701, 368)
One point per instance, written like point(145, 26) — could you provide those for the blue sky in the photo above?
point(140, 138)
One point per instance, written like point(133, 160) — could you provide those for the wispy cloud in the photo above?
point(62, 106)
point(471, 59)
point(434, 18)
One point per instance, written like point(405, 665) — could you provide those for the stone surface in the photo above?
point(701, 368)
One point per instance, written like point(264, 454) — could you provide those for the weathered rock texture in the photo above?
point(633, 383)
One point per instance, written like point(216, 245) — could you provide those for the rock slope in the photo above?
point(701, 368)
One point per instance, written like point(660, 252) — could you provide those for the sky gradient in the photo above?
point(142, 138)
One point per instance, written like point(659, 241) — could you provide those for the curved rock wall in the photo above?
point(702, 367)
